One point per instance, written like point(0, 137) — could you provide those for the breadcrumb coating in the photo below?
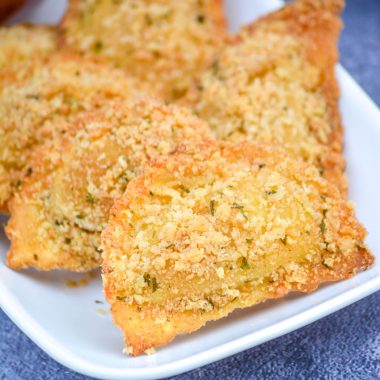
point(20, 43)
point(275, 84)
point(219, 227)
point(38, 98)
point(166, 43)
point(58, 215)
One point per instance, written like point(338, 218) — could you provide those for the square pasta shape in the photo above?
point(86, 341)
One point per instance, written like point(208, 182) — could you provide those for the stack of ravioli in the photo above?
point(202, 171)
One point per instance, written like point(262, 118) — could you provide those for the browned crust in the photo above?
point(317, 24)
point(31, 228)
point(27, 249)
point(114, 84)
point(215, 10)
point(8, 7)
point(138, 322)
point(71, 12)
point(214, 7)
point(169, 73)
point(141, 333)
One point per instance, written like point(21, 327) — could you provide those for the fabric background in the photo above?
point(345, 345)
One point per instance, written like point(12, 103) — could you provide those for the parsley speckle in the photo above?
point(322, 226)
point(201, 19)
point(284, 240)
point(151, 281)
point(244, 263)
point(212, 207)
point(185, 189)
point(146, 277)
point(241, 208)
point(98, 46)
point(154, 284)
point(90, 199)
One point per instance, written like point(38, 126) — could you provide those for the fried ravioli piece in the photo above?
point(222, 227)
point(166, 43)
point(275, 84)
point(39, 97)
point(20, 43)
point(8, 7)
point(57, 217)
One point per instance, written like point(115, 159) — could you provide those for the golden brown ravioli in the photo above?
point(220, 227)
point(275, 84)
point(165, 43)
point(60, 211)
point(39, 97)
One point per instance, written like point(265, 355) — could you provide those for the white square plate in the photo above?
point(67, 324)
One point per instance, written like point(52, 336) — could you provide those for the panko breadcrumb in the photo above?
point(221, 227)
point(275, 84)
point(21, 43)
point(166, 43)
point(57, 217)
point(39, 97)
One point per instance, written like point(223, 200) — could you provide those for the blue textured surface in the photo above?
point(345, 345)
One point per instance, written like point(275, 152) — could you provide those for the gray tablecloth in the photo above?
point(345, 345)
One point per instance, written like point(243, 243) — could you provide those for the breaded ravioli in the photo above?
point(166, 43)
point(275, 84)
point(39, 97)
point(58, 215)
point(20, 43)
point(221, 227)
point(8, 7)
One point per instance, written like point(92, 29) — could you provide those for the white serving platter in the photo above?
point(78, 333)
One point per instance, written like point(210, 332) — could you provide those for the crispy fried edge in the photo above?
point(24, 248)
point(9, 75)
point(318, 25)
point(21, 255)
point(311, 21)
point(30, 27)
point(142, 335)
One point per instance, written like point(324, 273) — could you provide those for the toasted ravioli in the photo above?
point(8, 7)
point(275, 84)
point(221, 227)
point(58, 215)
point(166, 43)
point(20, 43)
point(39, 97)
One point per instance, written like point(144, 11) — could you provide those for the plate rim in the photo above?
point(58, 352)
